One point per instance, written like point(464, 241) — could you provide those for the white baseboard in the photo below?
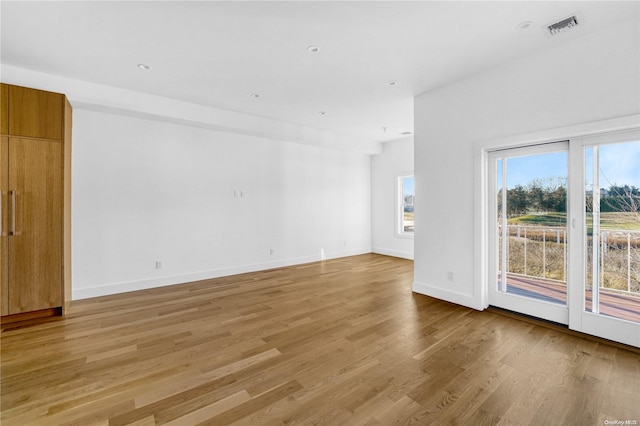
point(394, 253)
point(123, 287)
point(450, 296)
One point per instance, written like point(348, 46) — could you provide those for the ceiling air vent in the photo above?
point(562, 26)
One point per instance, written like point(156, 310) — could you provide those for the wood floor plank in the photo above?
point(211, 410)
point(339, 342)
point(145, 410)
point(243, 410)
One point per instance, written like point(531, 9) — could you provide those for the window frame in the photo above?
point(399, 204)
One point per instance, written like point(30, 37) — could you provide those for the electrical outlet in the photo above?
point(271, 252)
point(158, 264)
point(450, 275)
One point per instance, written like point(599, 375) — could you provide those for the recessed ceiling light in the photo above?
point(313, 49)
point(322, 113)
point(255, 95)
point(523, 25)
point(144, 67)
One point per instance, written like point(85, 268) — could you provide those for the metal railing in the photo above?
point(541, 252)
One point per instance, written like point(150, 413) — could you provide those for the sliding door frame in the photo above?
point(580, 319)
point(578, 135)
point(538, 308)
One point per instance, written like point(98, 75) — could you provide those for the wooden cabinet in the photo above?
point(4, 109)
point(4, 225)
point(35, 159)
point(35, 113)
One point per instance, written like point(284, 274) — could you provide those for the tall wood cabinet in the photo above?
point(35, 198)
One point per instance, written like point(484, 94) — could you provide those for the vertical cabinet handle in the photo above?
point(13, 213)
point(1, 217)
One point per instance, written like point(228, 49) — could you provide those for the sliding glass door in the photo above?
point(564, 233)
point(528, 223)
point(608, 196)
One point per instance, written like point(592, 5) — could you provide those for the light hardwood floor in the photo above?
point(338, 342)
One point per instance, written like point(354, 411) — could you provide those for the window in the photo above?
point(405, 209)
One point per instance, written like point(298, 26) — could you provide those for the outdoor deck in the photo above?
point(612, 304)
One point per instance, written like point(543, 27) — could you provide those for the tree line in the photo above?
point(618, 198)
point(550, 195)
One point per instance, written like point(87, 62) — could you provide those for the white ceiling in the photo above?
point(219, 53)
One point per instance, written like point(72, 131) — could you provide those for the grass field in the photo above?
point(608, 221)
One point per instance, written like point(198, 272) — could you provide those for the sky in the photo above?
point(522, 170)
point(619, 165)
point(409, 186)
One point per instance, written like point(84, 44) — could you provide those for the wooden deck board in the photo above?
point(621, 306)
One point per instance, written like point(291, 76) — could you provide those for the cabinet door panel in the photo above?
point(35, 246)
point(4, 224)
point(4, 109)
point(35, 113)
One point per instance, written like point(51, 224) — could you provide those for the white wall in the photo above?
point(397, 157)
point(147, 190)
point(592, 78)
point(154, 180)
